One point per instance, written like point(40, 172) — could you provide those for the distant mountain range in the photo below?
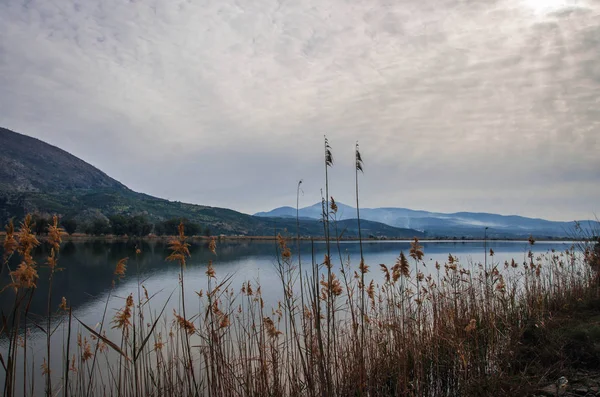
point(459, 224)
point(36, 177)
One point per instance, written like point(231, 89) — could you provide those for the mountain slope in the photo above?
point(30, 165)
point(38, 177)
point(460, 224)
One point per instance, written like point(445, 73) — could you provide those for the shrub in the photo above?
point(70, 225)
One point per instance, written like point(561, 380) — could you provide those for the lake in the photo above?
point(88, 267)
point(88, 273)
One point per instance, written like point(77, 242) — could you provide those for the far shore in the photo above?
point(80, 237)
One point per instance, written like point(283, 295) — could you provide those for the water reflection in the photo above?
point(87, 268)
point(88, 272)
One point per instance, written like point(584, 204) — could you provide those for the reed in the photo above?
point(450, 330)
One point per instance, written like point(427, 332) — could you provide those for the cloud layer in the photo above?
point(458, 105)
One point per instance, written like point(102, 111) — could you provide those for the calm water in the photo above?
point(88, 267)
point(88, 273)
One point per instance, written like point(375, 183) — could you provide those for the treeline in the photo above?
point(120, 225)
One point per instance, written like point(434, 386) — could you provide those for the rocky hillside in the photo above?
point(30, 165)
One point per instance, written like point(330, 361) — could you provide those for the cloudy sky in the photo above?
point(458, 105)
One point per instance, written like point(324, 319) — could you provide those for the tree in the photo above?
point(169, 227)
point(138, 226)
point(98, 227)
point(119, 225)
point(70, 225)
point(159, 229)
point(41, 224)
point(192, 229)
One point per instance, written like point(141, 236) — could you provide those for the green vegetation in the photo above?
point(97, 227)
point(170, 228)
point(86, 208)
point(40, 224)
point(130, 226)
point(69, 225)
point(118, 225)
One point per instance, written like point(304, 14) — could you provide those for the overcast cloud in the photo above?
point(457, 104)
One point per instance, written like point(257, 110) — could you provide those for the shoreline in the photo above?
point(79, 237)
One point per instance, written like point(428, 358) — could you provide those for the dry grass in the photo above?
point(452, 330)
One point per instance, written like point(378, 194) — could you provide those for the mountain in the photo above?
point(36, 177)
point(30, 165)
point(459, 224)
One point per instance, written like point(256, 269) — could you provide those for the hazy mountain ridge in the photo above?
point(459, 224)
point(38, 177)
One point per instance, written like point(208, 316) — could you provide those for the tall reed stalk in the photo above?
point(359, 168)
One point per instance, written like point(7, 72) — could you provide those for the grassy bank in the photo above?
point(566, 344)
point(455, 329)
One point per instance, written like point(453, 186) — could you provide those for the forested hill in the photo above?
point(36, 177)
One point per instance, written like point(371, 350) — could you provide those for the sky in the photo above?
point(458, 105)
